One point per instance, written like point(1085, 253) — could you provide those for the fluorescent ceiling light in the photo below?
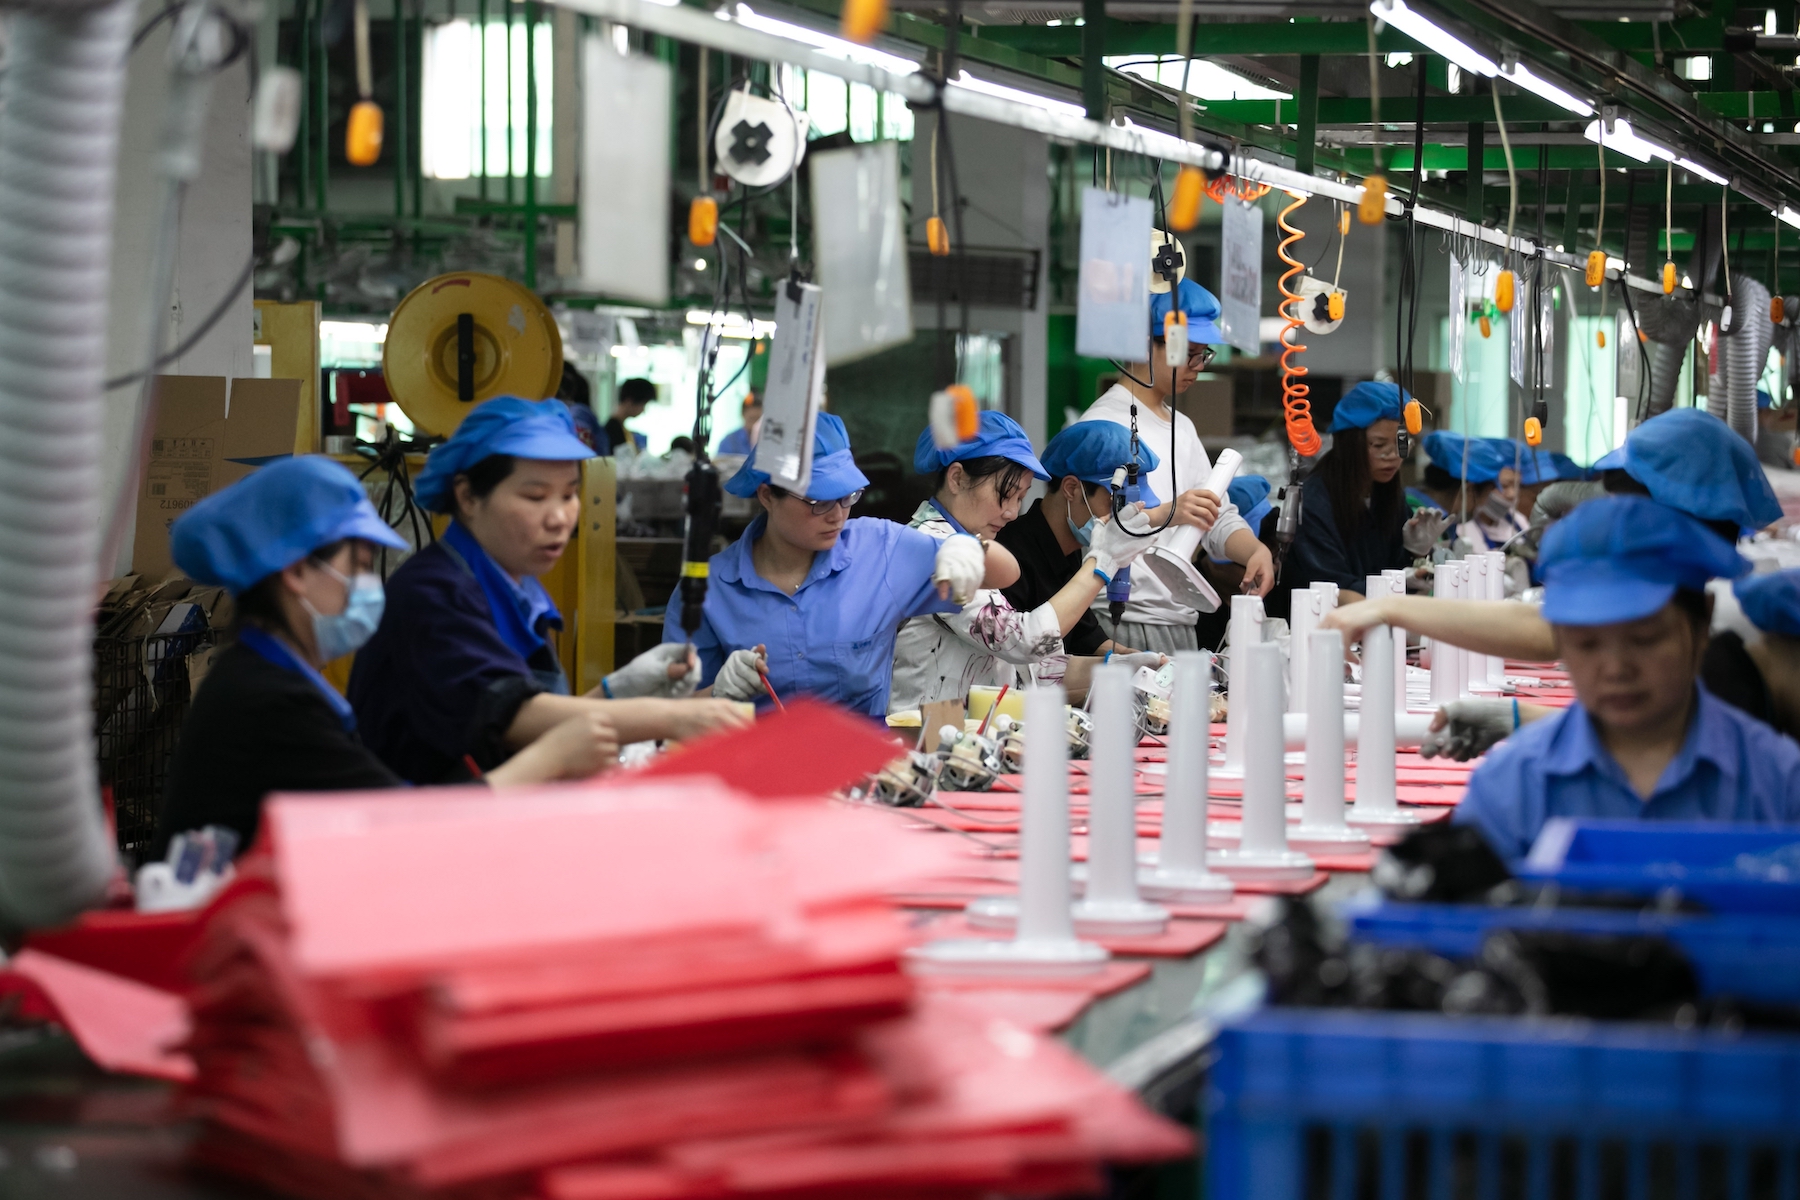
point(841, 47)
point(1521, 74)
point(1621, 138)
point(1205, 80)
point(731, 325)
point(1433, 37)
point(1786, 213)
point(1060, 107)
point(1694, 168)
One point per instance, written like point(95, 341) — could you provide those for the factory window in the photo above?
point(461, 64)
point(833, 106)
point(1479, 399)
point(1593, 418)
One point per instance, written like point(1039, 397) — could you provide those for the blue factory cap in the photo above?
point(834, 471)
point(999, 436)
point(1201, 307)
point(273, 518)
point(1445, 449)
point(1367, 403)
point(541, 429)
point(1092, 450)
point(1251, 495)
point(1763, 399)
point(1692, 461)
point(1619, 558)
point(1771, 601)
point(1536, 465)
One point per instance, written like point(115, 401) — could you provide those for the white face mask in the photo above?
point(1084, 533)
point(338, 634)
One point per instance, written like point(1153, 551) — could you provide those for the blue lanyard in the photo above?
point(516, 608)
point(273, 650)
point(954, 523)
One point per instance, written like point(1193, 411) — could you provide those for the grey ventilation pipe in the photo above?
point(1745, 353)
point(60, 102)
point(1665, 374)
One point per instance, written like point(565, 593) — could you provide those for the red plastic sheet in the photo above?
point(122, 1025)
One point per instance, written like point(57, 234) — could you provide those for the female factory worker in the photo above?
point(1753, 659)
point(1463, 480)
point(293, 543)
point(979, 486)
point(462, 670)
point(1353, 519)
point(1624, 582)
point(1685, 459)
point(810, 601)
point(1154, 620)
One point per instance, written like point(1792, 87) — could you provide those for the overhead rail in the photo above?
point(721, 31)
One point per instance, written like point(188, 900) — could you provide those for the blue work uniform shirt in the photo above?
point(440, 680)
point(834, 638)
point(1731, 767)
point(736, 442)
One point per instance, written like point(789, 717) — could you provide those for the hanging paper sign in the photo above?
point(1112, 305)
point(624, 238)
point(1241, 275)
point(859, 250)
point(795, 387)
point(1459, 315)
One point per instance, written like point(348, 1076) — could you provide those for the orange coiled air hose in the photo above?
point(1296, 409)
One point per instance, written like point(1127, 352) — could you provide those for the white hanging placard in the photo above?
point(624, 241)
point(859, 250)
point(1459, 315)
point(1241, 275)
point(1112, 307)
point(795, 387)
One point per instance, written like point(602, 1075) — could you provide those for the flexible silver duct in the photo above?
point(60, 102)
point(1745, 353)
point(1665, 375)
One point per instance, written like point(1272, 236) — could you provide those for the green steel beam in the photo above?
point(1354, 110)
point(972, 45)
point(1210, 38)
point(1306, 125)
point(1744, 106)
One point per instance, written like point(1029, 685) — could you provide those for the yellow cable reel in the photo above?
point(465, 337)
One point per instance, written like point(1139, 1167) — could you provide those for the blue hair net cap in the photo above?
point(1201, 307)
point(1772, 601)
point(1692, 461)
point(1367, 403)
point(999, 436)
point(1092, 450)
point(1619, 558)
point(273, 518)
point(1248, 491)
point(834, 471)
point(540, 429)
point(1445, 449)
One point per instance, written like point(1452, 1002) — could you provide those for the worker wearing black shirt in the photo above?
point(1066, 544)
point(294, 543)
point(633, 396)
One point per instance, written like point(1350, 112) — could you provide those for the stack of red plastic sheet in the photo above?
point(653, 988)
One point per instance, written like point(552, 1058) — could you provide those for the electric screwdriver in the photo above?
point(703, 502)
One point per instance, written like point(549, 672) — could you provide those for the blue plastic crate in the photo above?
point(1323, 1103)
point(1753, 957)
point(1699, 860)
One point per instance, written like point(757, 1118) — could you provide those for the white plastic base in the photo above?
point(1187, 587)
point(1270, 865)
point(1326, 839)
point(1092, 919)
point(1176, 886)
point(1011, 958)
point(1383, 820)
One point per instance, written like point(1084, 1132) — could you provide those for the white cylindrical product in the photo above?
point(1045, 942)
point(1179, 873)
point(1376, 804)
point(1112, 904)
point(1497, 591)
point(1475, 587)
point(1409, 729)
point(1171, 559)
point(1246, 630)
point(1300, 624)
point(1263, 852)
point(1396, 581)
point(1322, 826)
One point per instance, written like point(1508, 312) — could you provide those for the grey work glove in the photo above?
point(1139, 658)
point(1113, 546)
point(962, 564)
point(741, 676)
point(648, 674)
point(1471, 728)
point(1423, 531)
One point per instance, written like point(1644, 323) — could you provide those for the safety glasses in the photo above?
point(819, 508)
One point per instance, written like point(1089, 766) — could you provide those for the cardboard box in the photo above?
point(203, 443)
